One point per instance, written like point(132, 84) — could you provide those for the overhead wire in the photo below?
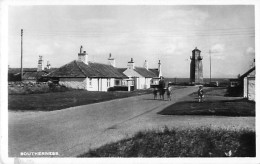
point(241, 32)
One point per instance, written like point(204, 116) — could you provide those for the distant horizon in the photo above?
point(149, 68)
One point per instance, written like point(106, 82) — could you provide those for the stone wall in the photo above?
point(76, 83)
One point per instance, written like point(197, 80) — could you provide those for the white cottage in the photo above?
point(142, 77)
point(249, 84)
point(82, 74)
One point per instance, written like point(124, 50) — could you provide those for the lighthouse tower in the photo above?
point(196, 68)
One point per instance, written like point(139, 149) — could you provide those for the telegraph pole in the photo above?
point(209, 66)
point(21, 54)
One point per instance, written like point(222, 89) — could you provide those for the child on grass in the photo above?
point(169, 93)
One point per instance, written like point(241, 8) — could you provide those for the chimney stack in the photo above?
point(112, 61)
point(48, 65)
point(146, 64)
point(40, 64)
point(82, 56)
point(131, 64)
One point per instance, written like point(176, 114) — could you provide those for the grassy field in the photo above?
point(215, 104)
point(60, 100)
point(200, 142)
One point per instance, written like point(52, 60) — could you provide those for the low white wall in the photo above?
point(245, 87)
point(142, 83)
point(251, 89)
point(100, 84)
point(148, 82)
point(76, 83)
point(103, 85)
point(96, 84)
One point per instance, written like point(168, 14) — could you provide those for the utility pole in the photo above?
point(209, 66)
point(21, 54)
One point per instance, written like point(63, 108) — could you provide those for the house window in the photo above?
point(108, 82)
point(117, 82)
point(90, 82)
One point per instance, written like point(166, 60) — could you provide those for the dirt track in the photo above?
point(73, 131)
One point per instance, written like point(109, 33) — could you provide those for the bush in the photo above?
point(200, 142)
point(118, 88)
point(23, 88)
point(235, 91)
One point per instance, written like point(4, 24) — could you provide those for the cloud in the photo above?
point(175, 47)
point(250, 51)
point(44, 49)
point(218, 48)
point(184, 17)
point(217, 51)
point(56, 44)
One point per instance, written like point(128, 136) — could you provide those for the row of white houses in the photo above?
point(82, 74)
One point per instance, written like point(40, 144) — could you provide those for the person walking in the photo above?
point(169, 93)
point(155, 91)
point(162, 88)
point(200, 94)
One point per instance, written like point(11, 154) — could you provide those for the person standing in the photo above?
point(155, 91)
point(200, 94)
point(169, 93)
point(162, 88)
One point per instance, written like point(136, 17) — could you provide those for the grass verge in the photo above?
point(215, 103)
point(60, 100)
point(200, 142)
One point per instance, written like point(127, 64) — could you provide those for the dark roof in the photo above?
point(33, 75)
point(247, 73)
point(18, 70)
point(80, 69)
point(155, 71)
point(121, 70)
point(144, 72)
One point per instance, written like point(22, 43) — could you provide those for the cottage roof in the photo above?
point(80, 69)
point(121, 70)
point(247, 73)
point(144, 72)
point(33, 75)
point(18, 70)
point(155, 71)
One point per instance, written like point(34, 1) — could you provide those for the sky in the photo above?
point(168, 33)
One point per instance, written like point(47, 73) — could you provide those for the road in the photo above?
point(73, 131)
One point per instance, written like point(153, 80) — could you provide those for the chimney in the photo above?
point(146, 64)
point(83, 56)
point(48, 65)
point(131, 64)
point(111, 61)
point(160, 68)
point(40, 64)
point(253, 64)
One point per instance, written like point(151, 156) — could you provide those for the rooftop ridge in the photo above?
point(100, 63)
point(80, 67)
